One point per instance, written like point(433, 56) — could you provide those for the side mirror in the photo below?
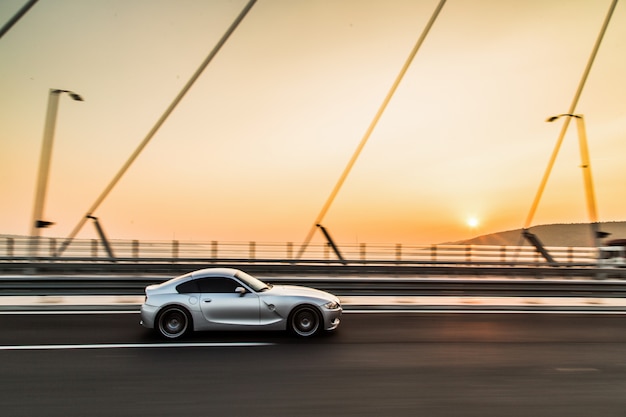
point(240, 290)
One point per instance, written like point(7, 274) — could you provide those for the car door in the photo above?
point(222, 307)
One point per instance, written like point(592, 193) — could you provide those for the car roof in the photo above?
point(207, 272)
point(200, 273)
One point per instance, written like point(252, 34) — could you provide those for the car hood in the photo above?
point(294, 290)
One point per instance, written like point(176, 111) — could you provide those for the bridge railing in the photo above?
point(19, 248)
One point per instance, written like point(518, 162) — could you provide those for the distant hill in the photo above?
point(573, 234)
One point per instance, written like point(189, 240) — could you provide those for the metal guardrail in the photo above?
point(173, 258)
point(46, 249)
point(341, 286)
point(370, 270)
point(76, 266)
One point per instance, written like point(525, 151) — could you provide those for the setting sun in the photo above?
point(472, 222)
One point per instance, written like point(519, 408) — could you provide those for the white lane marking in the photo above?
point(81, 312)
point(135, 345)
point(577, 369)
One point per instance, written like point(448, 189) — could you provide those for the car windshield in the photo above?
point(256, 284)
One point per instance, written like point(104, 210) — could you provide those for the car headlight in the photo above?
point(332, 305)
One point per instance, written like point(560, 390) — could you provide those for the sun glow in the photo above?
point(472, 222)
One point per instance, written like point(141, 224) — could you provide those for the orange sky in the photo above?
point(255, 148)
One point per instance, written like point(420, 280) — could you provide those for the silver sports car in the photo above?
point(230, 299)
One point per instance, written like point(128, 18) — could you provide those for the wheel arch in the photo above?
point(305, 304)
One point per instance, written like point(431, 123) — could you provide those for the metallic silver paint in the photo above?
point(269, 308)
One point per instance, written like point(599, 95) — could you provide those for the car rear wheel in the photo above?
point(304, 321)
point(173, 322)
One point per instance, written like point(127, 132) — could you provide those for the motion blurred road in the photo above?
point(377, 364)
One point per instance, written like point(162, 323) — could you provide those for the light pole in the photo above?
point(44, 166)
point(586, 166)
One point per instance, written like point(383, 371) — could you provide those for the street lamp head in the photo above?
point(75, 96)
point(553, 118)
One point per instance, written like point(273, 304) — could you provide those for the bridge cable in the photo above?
point(158, 124)
point(20, 13)
point(369, 130)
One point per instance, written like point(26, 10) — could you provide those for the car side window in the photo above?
point(217, 285)
point(188, 287)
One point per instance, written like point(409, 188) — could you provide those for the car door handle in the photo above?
point(208, 300)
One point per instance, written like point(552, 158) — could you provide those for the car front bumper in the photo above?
point(332, 318)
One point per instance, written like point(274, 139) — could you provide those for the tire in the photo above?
point(173, 322)
point(305, 321)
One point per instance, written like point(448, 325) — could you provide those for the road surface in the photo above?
point(376, 364)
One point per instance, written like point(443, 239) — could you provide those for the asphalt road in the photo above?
point(384, 364)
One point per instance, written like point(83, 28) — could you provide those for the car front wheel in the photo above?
point(173, 322)
point(304, 321)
